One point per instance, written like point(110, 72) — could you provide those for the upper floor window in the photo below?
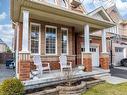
point(51, 1)
point(63, 3)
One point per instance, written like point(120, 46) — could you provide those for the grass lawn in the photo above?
point(108, 89)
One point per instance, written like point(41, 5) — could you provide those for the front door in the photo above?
point(95, 56)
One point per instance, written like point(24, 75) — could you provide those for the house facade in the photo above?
point(5, 52)
point(119, 46)
point(54, 27)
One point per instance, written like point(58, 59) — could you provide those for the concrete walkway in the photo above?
point(6, 73)
point(114, 80)
point(118, 75)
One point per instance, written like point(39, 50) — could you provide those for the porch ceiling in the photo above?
point(54, 14)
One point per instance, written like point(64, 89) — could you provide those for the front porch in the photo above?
point(56, 77)
point(51, 31)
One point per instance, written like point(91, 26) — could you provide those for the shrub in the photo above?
point(11, 86)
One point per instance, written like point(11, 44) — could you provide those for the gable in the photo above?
point(100, 14)
point(114, 14)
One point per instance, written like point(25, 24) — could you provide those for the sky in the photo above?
point(6, 31)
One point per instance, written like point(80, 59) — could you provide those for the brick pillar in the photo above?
point(24, 66)
point(104, 61)
point(87, 61)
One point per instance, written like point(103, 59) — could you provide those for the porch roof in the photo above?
point(52, 13)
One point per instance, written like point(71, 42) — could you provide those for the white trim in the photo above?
point(124, 51)
point(25, 39)
point(55, 3)
point(49, 26)
point(67, 41)
point(39, 48)
point(103, 10)
point(104, 41)
point(86, 38)
point(17, 50)
point(66, 3)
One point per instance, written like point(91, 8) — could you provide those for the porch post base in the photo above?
point(24, 66)
point(104, 61)
point(87, 62)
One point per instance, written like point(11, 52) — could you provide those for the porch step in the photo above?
point(102, 76)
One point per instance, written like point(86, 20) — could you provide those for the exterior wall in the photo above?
point(113, 14)
point(124, 29)
point(54, 59)
point(94, 40)
point(98, 41)
point(80, 41)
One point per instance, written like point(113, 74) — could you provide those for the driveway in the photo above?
point(6, 73)
point(119, 72)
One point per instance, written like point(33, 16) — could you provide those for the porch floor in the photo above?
point(56, 77)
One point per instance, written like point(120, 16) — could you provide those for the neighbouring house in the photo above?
point(54, 27)
point(5, 52)
point(3, 46)
point(119, 45)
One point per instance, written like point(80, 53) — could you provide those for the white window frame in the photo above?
point(49, 26)
point(55, 3)
point(39, 48)
point(66, 4)
point(67, 40)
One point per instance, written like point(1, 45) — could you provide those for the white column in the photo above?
point(17, 49)
point(25, 36)
point(117, 29)
point(86, 38)
point(104, 46)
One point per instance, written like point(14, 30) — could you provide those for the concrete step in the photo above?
point(101, 76)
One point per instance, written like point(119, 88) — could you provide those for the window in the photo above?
point(64, 40)
point(118, 49)
point(51, 39)
point(63, 3)
point(51, 1)
point(92, 49)
point(35, 35)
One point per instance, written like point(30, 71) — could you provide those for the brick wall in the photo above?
point(80, 40)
